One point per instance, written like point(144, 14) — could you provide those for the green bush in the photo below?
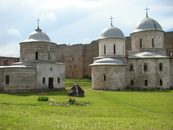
point(43, 97)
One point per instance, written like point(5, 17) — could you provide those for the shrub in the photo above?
point(43, 97)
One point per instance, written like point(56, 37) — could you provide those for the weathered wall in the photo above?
point(20, 79)
point(5, 61)
point(104, 79)
point(169, 43)
point(46, 51)
point(153, 74)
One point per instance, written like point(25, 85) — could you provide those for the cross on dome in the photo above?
point(146, 11)
point(38, 29)
point(111, 20)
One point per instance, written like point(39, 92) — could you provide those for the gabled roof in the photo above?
point(75, 89)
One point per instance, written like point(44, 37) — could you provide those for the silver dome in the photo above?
point(108, 61)
point(39, 36)
point(111, 32)
point(147, 24)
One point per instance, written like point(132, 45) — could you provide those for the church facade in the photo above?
point(38, 68)
point(145, 66)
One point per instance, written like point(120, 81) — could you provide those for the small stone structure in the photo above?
point(76, 91)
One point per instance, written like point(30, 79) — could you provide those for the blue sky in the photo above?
point(74, 21)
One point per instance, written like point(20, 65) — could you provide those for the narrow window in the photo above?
point(104, 49)
point(58, 80)
point(7, 79)
point(140, 43)
point(114, 49)
point(36, 55)
point(152, 42)
point(161, 82)
point(131, 82)
point(50, 68)
point(131, 67)
point(146, 82)
point(170, 53)
point(145, 67)
point(43, 80)
point(73, 59)
point(160, 66)
point(48, 55)
point(104, 77)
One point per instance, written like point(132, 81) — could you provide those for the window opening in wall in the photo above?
point(140, 43)
point(145, 67)
point(131, 67)
point(43, 80)
point(36, 55)
point(114, 49)
point(152, 42)
point(58, 80)
point(104, 77)
point(104, 49)
point(50, 68)
point(170, 53)
point(146, 82)
point(48, 55)
point(160, 66)
point(73, 59)
point(7, 79)
point(74, 66)
point(131, 82)
point(161, 82)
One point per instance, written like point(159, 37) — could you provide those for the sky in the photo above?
point(74, 21)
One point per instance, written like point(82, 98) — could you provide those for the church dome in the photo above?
point(108, 61)
point(38, 36)
point(111, 32)
point(147, 24)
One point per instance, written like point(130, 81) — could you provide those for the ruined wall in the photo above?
point(6, 61)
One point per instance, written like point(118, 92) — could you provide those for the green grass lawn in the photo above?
point(109, 110)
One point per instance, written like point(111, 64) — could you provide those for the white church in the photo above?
point(146, 65)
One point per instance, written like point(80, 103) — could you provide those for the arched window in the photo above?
point(146, 82)
point(114, 49)
point(104, 49)
point(152, 42)
point(145, 67)
point(36, 55)
point(170, 53)
point(7, 79)
point(161, 82)
point(160, 66)
point(140, 43)
point(50, 68)
point(131, 67)
point(131, 82)
point(48, 55)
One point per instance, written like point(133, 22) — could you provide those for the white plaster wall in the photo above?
point(50, 70)
point(153, 75)
point(115, 77)
point(110, 42)
point(146, 37)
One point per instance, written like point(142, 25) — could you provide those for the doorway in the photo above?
point(50, 82)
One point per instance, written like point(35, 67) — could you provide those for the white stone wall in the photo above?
point(20, 79)
point(50, 70)
point(146, 37)
point(114, 77)
point(109, 43)
point(46, 51)
point(153, 74)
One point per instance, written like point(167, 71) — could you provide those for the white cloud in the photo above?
point(47, 16)
point(14, 31)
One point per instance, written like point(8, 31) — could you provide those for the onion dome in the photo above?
point(147, 24)
point(108, 61)
point(38, 36)
point(111, 32)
